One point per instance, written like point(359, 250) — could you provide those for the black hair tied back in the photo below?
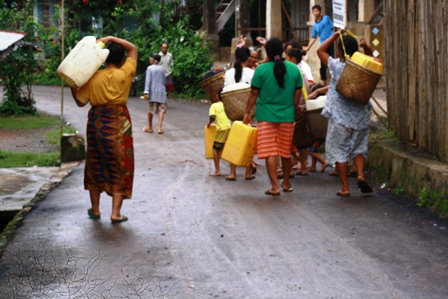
point(241, 55)
point(274, 50)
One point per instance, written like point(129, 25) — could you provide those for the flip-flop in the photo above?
point(250, 178)
point(364, 186)
point(284, 189)
point(92, 216)
point(160, 132)
point(268, 192)
point(230, 179)
point(123, 218)
point(332, 173)
point(343, 194)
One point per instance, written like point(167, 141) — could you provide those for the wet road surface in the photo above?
point(190, 235)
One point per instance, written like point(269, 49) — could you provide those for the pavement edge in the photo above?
point(64, 170)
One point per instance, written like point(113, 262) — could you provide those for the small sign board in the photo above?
point(339, 13)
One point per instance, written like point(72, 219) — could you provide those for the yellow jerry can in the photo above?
point(209, 138)
point(241, 145)
point(368, 62)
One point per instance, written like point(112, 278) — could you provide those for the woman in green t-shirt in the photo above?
point(276, 88)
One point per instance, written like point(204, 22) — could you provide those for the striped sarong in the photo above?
point(274, 139)
point(110, 151)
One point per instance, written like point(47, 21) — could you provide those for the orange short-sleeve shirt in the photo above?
point(109, 86)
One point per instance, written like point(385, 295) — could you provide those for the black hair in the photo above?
point(164, 43)
point(156, 57)
point(116, 54)
point(241, 55)
point(295, 44)
point(317, 6)
point(274, 50)
point(296, 53)
point(350, 43)
point(219, 93)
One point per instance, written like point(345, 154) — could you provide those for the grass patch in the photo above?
point(54, 136)
point(20, 159)
point(28, 122)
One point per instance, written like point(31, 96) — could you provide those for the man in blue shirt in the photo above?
point(323, 27)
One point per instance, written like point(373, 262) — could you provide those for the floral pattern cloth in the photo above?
point(343, 111)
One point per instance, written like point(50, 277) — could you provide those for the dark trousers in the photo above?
point(323, 68)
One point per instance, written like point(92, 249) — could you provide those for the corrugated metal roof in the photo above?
point(8, 38)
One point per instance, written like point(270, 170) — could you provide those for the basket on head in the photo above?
point(357, 83)
point(212, 85)
point(235, 102)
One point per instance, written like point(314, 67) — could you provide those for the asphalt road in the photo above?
point(190, 235)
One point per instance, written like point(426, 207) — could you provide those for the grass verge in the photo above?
point(29, 159)
point(28, 122)
point(20, 159)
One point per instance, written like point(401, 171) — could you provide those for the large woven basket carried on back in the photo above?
point(357, 83)
point(212, 85)
point(235, 102)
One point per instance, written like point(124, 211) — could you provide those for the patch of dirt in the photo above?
point(30, 140)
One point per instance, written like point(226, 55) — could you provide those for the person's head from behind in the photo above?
point(293, 44)
point(294, 55)
point(116, 54)
point(154, 58)
point(274, 50)
point(241, 57)
point(350, 45)
point(164, 48)
point(316, 10)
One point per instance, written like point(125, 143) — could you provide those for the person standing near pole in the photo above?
point(167, 62)
point(322, 27)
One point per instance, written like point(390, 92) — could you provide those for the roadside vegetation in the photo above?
point(18, 124)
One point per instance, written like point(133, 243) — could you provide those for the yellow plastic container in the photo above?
point(367, 62)
point(82, 62)
point(241, 145)
point(209, 138)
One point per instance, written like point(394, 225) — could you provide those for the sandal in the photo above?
point(91, 215)
point(364, 186)
point(286, 189)
point(332, 173)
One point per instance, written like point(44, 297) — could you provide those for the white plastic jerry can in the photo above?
point(82, 62)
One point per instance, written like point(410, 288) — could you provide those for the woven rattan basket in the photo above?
point(357, 83)
point(318, 123)
point(212, 85)
point(235, 103)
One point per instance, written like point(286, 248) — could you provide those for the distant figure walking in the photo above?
point(167, 62)
point(155, 92)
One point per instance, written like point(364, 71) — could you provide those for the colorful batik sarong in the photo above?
point(110, 151)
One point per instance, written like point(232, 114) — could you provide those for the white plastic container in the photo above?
point(82, 62)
